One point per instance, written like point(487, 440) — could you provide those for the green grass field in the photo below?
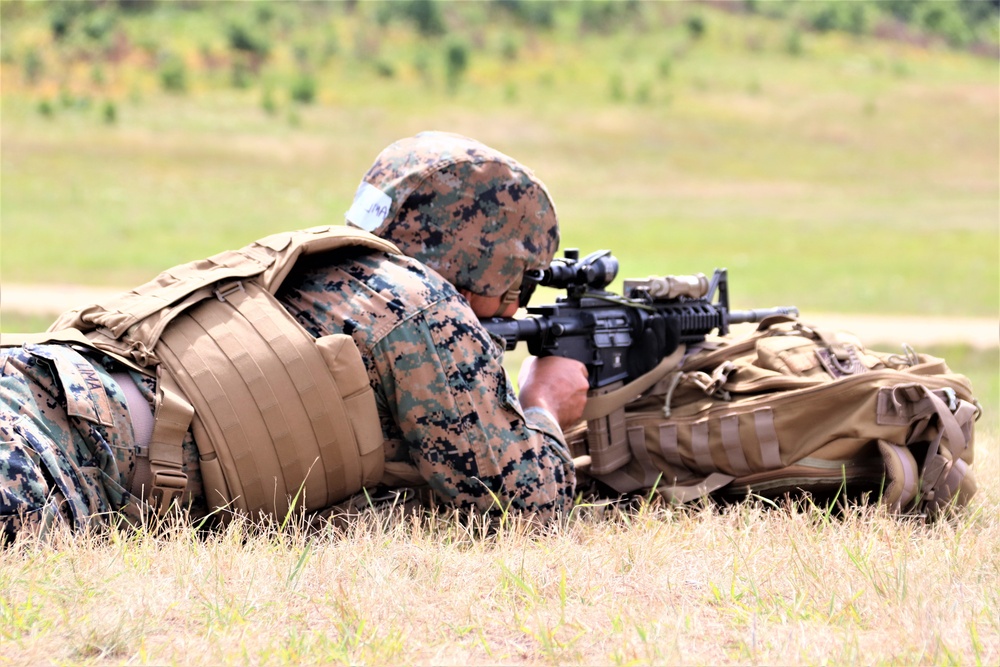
point(835, 172)
point(859, 176)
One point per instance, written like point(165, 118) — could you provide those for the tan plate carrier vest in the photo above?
point(281, 419)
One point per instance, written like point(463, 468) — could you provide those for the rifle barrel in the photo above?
point(745, 316)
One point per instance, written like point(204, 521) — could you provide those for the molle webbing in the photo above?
point(791, 408)
point(278, 414)
point(282, 421)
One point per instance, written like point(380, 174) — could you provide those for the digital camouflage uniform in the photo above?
point(444, 400)
point(445, 404)
point(67, 451)
point(480, 219)
point(65, 435)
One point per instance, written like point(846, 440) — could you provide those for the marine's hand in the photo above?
point(557, 384)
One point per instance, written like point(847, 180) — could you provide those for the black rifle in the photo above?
point(620, 337)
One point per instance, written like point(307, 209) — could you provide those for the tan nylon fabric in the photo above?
point(278, 416)
point(766, 413)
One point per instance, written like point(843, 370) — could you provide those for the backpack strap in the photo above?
point(604, 404)
point(700, 489)
point(943, 473)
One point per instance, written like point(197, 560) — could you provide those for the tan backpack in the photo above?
point(792, 407)
point(275, 412)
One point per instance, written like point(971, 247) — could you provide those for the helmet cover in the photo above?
point(471, 213)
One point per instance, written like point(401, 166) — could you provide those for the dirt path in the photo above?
point(981, 332)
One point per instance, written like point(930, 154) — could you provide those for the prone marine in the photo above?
point(307, 367)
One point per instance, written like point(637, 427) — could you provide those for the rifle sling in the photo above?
point(605, 404)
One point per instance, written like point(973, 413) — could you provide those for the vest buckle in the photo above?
point(222, 291)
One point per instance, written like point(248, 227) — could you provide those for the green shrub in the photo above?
point(241, 74)
point(99, 25)
point(696, 26)
point(793, 42)
point(45, 108)
point(63, 16)
point(509, 48)
point(303, 88)
point(857, 20)
point(267, 101)
point(644, 93)
point(616, 87)
point(33, 66)
point(945, 20)
point(247, 39)
point(427, 16)
point(331, 47)
point(606, 16)
point(455, 63)
point(302, 52)
point(422, 63)
point(109, 112)
point(173, 74)
point(665, 67)
point(97, 75)
point(264, 12)
point(824, 18)
point(510, 94)
point(385, 69)
point(536, 13)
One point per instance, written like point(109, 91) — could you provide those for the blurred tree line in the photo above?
point(214, 43)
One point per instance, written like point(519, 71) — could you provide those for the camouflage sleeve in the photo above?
point(461, 424)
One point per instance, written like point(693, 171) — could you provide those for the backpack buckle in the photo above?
point(222, 291)
point(168, 486)
point(952, 397)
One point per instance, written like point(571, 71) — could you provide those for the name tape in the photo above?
point(370, 207)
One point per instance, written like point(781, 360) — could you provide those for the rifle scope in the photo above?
point(595, 271)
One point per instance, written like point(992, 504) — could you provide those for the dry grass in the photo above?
point(752, 584)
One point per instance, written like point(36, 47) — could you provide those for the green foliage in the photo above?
point(267, 101)
point(109, 112)
point(509, 48)
point(385, 69)
point(534, 13)
point(97, 75)
point(45, 108)
point(959, 23)
point(945, 19)
point(696, 25)
point(644, 93)
point(173, 74)
point(605, 16)
point(456, 62)
point(248, 39)
point(99, 24)
point(422, 64)
point(303, 88)
point(616, 87)
point(33, 66)
point(63, 16)
point(793, 42)
point(510, 94)
point(426, 16)
point(664, 67)
point(241, 74)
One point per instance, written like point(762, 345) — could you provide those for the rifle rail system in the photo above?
point(620, 336)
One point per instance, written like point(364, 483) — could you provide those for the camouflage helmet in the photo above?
point(471, 213)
